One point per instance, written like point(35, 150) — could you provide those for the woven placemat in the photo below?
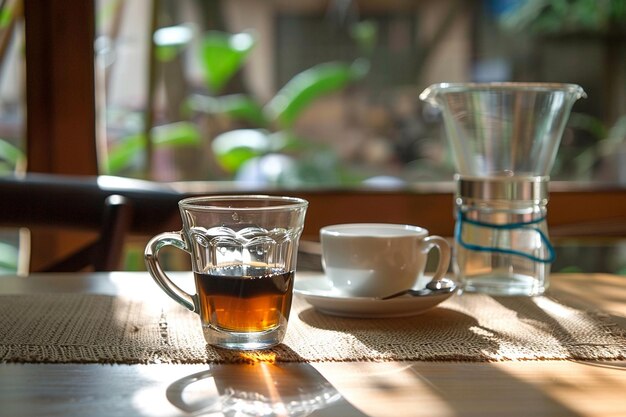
point(73, 328)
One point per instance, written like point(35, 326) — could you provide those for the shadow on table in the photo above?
point(471, 386)
point(583, 335)
point(438, 334)
point(259, 386)
point(619, 366)
point(478, 389)
point(493, 383)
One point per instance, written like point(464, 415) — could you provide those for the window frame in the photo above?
point(60, 113)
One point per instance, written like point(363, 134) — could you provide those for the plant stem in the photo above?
point(151, 89)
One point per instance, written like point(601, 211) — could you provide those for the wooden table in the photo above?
point(541, 388)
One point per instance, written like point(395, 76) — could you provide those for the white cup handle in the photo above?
point(443, 246)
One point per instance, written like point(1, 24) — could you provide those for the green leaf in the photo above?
point(170, 135)
point(9, 256)
point(222, 55)
point(287, 141)
point(169, 41)
point(242, 107)
point(233, 148)
point(589, 124)
point(315, 168)
point(265, 170)
point(617, 132)
point(6, 168)
point(6, 15)
point(176, 134)
point(166, 53)
point(236, 106)
point(615, 138)
point(122, 154)
point(309, 85)
point(365, 34)
point(11, 154)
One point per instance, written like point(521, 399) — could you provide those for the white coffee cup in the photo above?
point(379, 259)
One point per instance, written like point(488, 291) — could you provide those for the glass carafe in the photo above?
point(504, 139)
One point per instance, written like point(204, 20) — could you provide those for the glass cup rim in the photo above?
point(212, 202)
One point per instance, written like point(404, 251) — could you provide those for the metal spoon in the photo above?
point(442, 286)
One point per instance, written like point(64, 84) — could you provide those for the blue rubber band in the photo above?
point(462, 218)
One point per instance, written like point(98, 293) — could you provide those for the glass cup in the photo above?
point(243, 252)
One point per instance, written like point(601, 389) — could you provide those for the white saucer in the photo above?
point(318, 291)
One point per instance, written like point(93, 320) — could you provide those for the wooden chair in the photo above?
point(112, 207)
point(105, 253)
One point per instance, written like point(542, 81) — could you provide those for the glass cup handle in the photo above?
point(443, 246)
point(151, 257)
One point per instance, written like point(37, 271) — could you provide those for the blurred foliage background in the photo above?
point(320, 94)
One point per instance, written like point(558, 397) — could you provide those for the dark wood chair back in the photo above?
point(112, 207)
